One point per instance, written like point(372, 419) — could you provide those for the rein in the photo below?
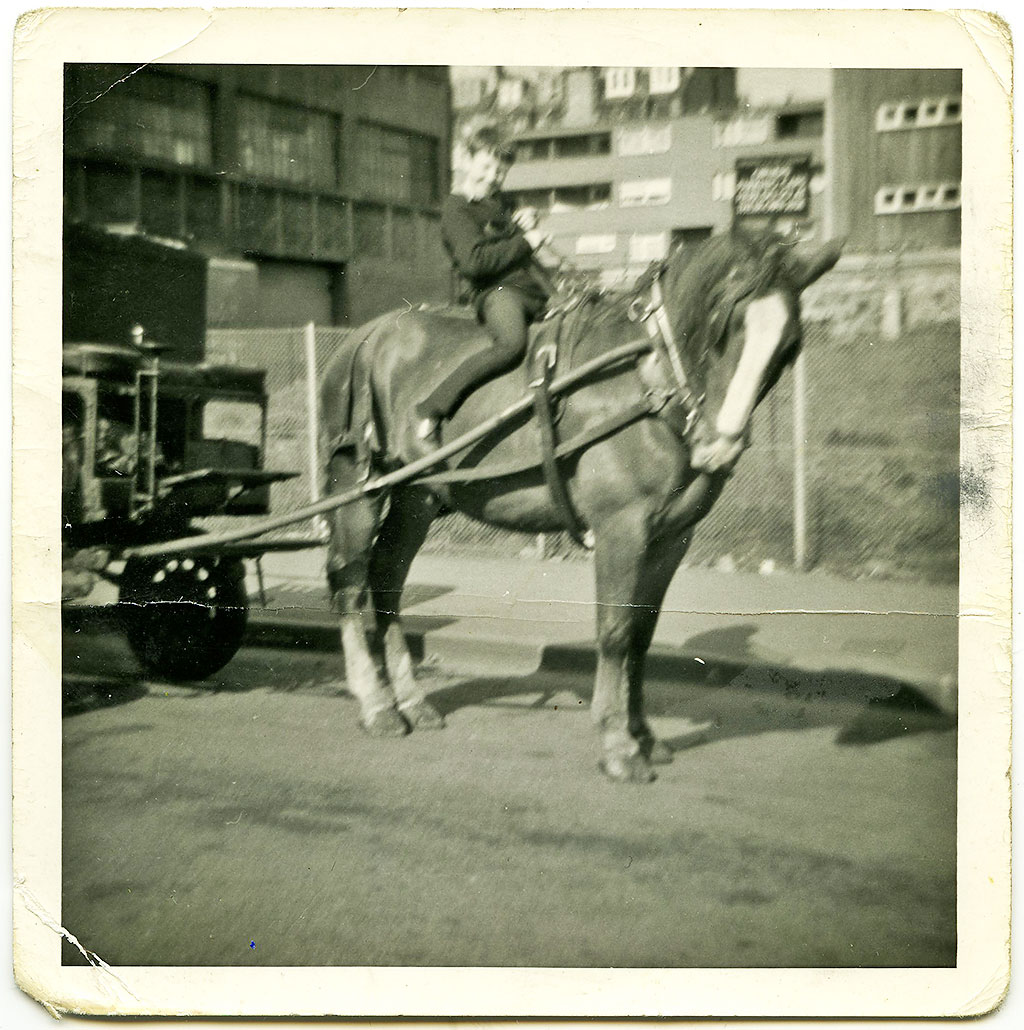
point(606, 427)
point(189, 545)
point(671, 398)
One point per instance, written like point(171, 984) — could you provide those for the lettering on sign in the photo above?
point(772, 187)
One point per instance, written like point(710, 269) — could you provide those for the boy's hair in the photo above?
point(487, 137)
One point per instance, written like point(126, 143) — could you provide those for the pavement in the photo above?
point(477, 614)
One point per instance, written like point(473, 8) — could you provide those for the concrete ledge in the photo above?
point(474, 654)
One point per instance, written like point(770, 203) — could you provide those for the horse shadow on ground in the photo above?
point(743, 696)
point(739, 697)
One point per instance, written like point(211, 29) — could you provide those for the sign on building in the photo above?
point(772, 186)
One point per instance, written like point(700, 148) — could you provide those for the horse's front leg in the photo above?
point(632, 574)
point(620, 545)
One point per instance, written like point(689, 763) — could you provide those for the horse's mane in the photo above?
point(700, 284)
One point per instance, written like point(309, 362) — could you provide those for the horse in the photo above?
point(714, 329)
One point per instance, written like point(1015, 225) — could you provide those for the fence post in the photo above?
point(800, 462)
point(312, 424)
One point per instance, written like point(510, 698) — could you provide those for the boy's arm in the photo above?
point(476, 256)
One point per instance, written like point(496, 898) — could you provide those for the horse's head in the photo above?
point(734, 315)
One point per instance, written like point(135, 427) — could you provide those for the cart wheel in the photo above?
point(184, 617)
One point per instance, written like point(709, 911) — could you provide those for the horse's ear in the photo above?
point(805, 269)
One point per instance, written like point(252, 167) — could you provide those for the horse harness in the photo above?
point(669, 393)
point(671, 399)
point(678, 405)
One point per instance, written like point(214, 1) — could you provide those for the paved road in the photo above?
point(249, 822)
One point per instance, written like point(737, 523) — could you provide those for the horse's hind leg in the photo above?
point(400, 538)
point(353, 528)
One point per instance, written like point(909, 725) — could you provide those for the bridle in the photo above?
point(681, 405)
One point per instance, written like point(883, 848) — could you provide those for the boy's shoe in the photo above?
point(426, 436)
point(427, 430)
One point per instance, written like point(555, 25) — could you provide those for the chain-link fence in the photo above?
point(294, 360)
point(874, 471)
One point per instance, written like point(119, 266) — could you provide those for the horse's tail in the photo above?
point(347, 407)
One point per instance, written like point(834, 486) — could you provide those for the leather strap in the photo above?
point(626, 416)
point(541, 390)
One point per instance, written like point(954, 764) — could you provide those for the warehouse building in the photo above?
point(896, 157)
point(314, 192)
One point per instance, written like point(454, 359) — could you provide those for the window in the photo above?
point(645, 192)
point(602, 244)
point(592, 197)
point(370, 225)
point(533, 150)
point(723, 186)
point(583, 146)
point(539, 199)
point(467, 92)
point(619, 82)
point(647, 247)
point(916, 197)
point(232, 420)
point(664, 80)
point(109, 196)
point(740, 132)
point(287, 143)
point(510, 93)
point(650, 139)
point(559, 199)
point(148, 115)
point(805, 125)
point(397, 165)
point(918, 114)
point(689, 238)
point(160, 204)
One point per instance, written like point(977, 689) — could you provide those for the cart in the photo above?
point(150, 447)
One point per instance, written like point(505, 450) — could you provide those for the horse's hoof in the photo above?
point(657, 752)
point(386, 722)
point(629, 769)
point(423, 716)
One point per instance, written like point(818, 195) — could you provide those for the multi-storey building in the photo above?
point(614, 198)
point(630, 162)
point(314, 191)
point(621, 174)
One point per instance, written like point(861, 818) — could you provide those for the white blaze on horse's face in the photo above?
point(764, 323)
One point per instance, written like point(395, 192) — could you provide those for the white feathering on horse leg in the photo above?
point(360, 669)
point(764, 321)
point(399, 665)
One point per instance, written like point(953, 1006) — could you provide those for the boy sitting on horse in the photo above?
point(495, 253)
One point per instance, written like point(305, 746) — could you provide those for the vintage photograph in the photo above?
point(513, 517)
